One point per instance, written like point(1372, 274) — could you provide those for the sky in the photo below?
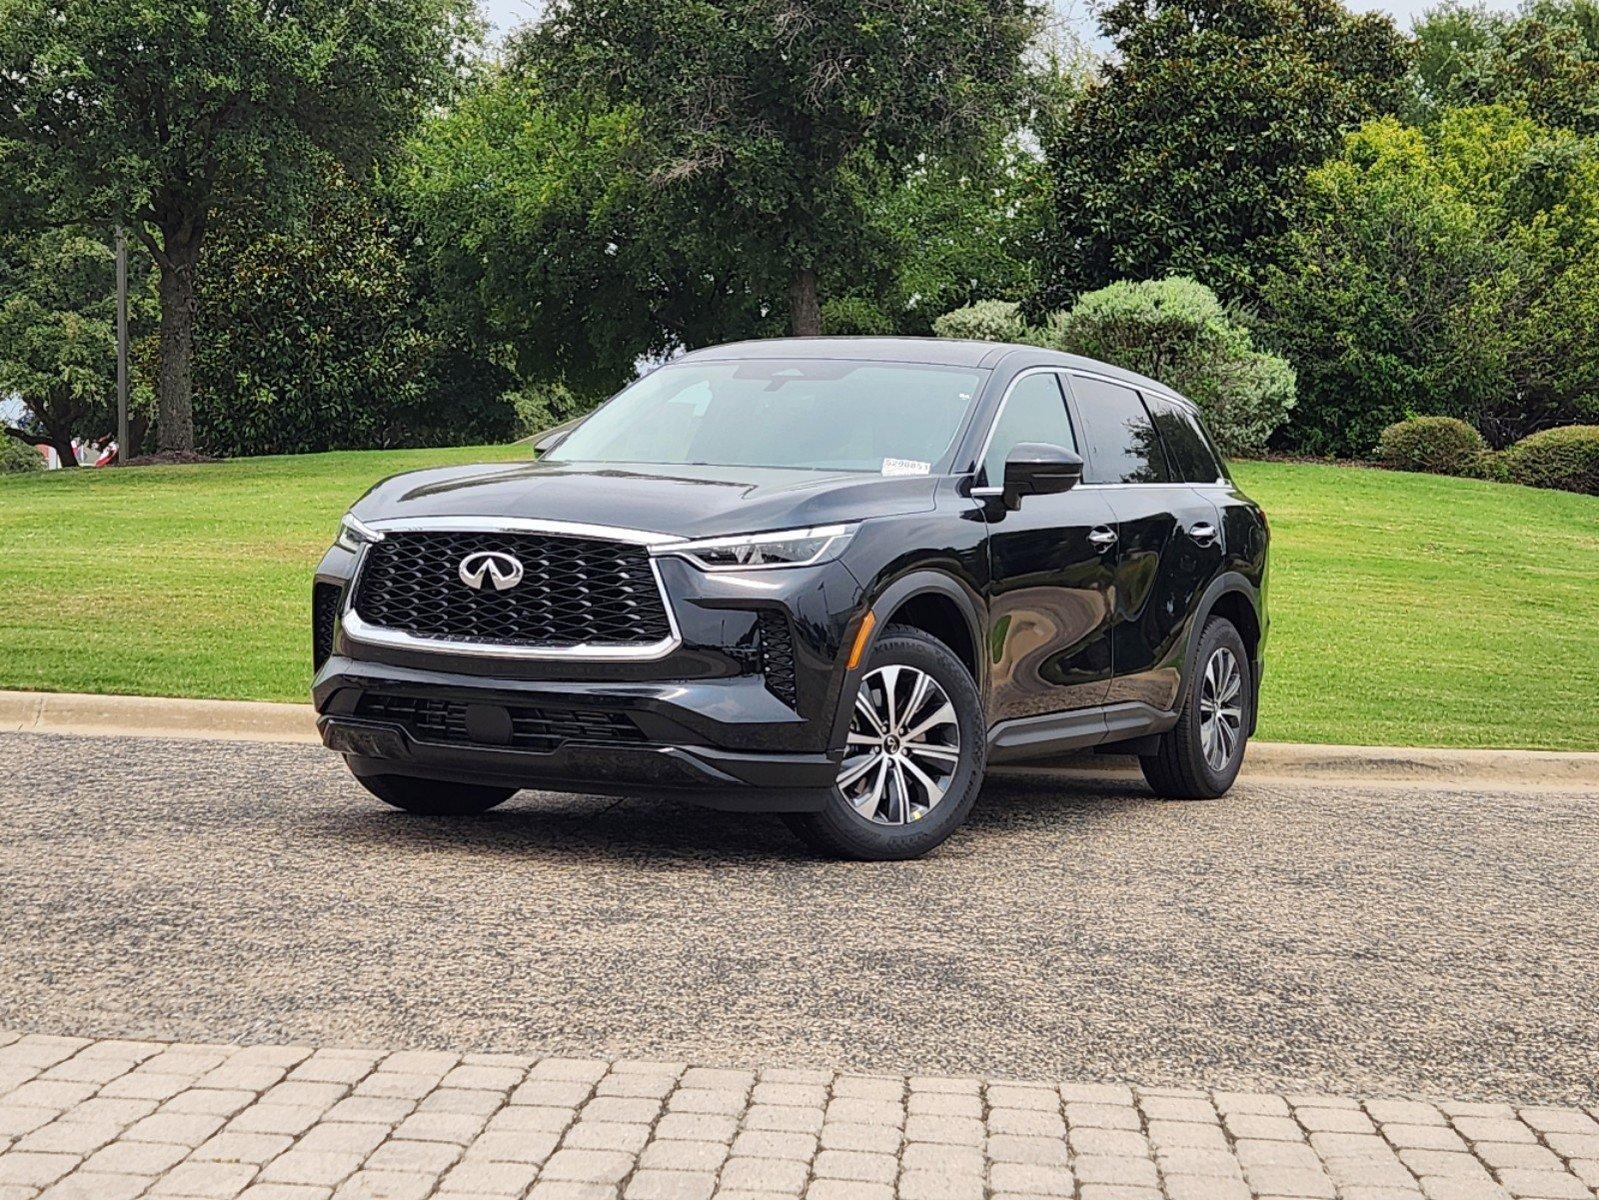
point(507, 13)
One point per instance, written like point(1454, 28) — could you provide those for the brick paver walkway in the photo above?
point(112, 1120)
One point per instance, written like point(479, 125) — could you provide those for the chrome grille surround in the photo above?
point(359, 629)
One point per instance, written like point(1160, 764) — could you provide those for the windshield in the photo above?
point(892, 418)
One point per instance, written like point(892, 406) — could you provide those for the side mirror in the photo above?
point(1040, 469)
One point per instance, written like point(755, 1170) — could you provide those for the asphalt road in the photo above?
point(1394, 940)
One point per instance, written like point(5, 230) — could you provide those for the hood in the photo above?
point(686, 501)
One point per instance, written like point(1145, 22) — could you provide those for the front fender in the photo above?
point(887, 598)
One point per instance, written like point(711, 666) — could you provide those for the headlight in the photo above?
point(764, 551)
point(353, 535)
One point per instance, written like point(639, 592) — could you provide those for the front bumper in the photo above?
point(677, 748)
point(708, 721)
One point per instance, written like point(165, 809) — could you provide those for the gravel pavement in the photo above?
point(1378, 941)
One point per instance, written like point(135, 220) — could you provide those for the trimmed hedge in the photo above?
point(1440, 445)
point(1565, 458)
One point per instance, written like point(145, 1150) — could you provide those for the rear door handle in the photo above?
point(1204, 533)
point(1104, 537)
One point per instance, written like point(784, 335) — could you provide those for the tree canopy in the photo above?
point(146, 113)
point(57, 334)
point(760, 126)
point(1441, 272)
point(1189, 153)
point(1543, 61)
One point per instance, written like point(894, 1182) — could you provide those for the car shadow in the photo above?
point(654, 833)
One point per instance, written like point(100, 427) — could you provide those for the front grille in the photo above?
point(542, 729)
point(574, 591)
point(777, 655)
point(325, 600)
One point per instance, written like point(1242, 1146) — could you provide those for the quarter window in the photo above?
point(1191, 457)
point(1123, 446)
point(1035, 411)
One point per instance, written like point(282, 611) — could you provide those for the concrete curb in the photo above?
point(153, 716)
point(236, 720)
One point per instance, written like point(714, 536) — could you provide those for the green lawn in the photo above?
point(1406, 609)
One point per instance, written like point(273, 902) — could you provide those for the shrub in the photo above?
point(1441, 445)
point(1492, 465)
point(1176, 331)
point(985, 321)
point(1565, 458)
point(17, 456)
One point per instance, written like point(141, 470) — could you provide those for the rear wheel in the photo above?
point(915, 755)
point(434, 797)
point(1199, 758)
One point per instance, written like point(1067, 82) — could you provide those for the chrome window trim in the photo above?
point(993, 425)
point(999, 413)
point(359, 630)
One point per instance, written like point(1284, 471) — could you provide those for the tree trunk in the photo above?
point(138, 427)
point(805, 308)
point(61, 439)
point(174, 396)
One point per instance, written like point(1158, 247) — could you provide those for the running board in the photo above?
point(1035, 739)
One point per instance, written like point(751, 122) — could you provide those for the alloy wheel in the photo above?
point(904, 746)
point(1221, 715)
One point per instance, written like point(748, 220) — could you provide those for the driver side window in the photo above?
point(1035, 411)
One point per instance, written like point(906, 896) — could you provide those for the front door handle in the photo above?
point(1204, 533)
point(1104, 537)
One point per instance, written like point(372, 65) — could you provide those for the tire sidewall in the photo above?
point(846, 830)
point(1220, 633)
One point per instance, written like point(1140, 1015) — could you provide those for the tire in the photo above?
point(950, 752)
point(434, 797)
point(1180, 769)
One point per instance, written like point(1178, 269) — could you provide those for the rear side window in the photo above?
point(1191, 457)
point(1123, 446)
point(1035, 411)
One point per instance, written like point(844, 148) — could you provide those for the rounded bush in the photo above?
point(1565, 458)
point(16, 456)
point(1441, 445)
point(1176, 330)
point(985, 321)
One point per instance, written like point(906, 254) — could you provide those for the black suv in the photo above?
point(829, 578)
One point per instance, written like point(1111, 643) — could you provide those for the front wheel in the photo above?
point(1199, 758)
point(434, 797)
point(914, 759)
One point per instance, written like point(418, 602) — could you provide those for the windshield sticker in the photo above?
point(905, 466)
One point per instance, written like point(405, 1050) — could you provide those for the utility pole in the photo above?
point(124, 452)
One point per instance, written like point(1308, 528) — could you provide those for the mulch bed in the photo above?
point(171, 458)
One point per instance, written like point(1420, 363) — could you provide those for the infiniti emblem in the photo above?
point(502, 570)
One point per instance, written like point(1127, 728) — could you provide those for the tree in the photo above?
point(951, 232)
point(1189, 153)
point(757, 121)
point(1442, 272)
point(313, 335)
point(147, 112)
point(540, 232)
point(1543, 62)
point(58, 335)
